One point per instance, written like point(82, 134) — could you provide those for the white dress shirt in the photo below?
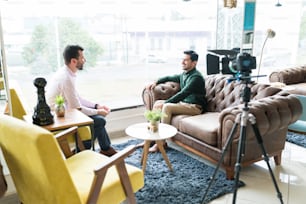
point(63, 83)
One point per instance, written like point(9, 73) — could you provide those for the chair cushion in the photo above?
point(84, 133)
point(82, 164)
point(298, 126)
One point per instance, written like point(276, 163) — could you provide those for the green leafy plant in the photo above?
point(59, 100)
point(154, 115)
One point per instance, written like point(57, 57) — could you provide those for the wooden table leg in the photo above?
point(145, 152)
point(160, 145)
point(92, 130)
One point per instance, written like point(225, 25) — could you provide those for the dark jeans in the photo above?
point(100, 133)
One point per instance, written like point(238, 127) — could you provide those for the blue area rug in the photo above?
point(296, 138)
point(186, 184)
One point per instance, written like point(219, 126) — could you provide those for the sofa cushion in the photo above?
point(175, 121)
point(296, 88)
point(203, 127)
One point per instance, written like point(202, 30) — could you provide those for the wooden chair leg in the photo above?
point(125, 180)
point(96, 186)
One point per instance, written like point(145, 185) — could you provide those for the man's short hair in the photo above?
point(70, 52)
point(193, 55)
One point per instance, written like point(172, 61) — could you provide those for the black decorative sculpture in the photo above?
point(42, 114)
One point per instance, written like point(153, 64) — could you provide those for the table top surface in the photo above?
point(73, 117)
point(141, 131)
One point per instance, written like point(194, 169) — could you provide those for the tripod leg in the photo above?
point(240, 153)
point(266, 158)
point(224, 149)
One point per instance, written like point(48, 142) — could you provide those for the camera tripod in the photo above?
point(243, 118)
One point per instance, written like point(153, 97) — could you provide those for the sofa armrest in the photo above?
point(160, 92)
point(272, 113)
point(289, 76)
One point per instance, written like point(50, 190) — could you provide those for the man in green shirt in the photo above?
point(191, 99)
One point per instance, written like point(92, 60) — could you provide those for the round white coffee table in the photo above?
point(140, 131)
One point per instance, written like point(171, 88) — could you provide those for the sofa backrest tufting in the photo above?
point(220, 94)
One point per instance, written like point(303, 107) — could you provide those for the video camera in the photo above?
point(244, 63)
point(232, 62)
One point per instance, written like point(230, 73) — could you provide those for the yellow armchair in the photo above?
point(42, 174)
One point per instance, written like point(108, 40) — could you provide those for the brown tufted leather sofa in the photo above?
point(292, 78)
point(206, 134)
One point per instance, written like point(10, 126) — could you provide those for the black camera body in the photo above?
point(244, 63)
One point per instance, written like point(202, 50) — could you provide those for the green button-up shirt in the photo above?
point(192, 86)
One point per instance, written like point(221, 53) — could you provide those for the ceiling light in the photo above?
point(230, 3)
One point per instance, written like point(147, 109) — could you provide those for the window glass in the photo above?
point(131, 43)
point(286, 48)
point(127, 43)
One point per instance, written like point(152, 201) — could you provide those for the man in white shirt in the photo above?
point(64, 83)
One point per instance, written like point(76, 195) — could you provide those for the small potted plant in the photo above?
point(154, 117)
point(60, 106)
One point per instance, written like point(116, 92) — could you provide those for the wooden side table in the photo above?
point(73, 117)
point(140, 131)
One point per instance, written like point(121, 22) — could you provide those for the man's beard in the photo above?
point(79, 66)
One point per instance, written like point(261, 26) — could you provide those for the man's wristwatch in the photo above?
point(96, 106)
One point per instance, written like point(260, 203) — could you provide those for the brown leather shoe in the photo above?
point(110, 152)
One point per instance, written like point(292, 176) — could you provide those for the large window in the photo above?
point(131, 43)
point(286, 49)
point(288, 21)
point(127, 43)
